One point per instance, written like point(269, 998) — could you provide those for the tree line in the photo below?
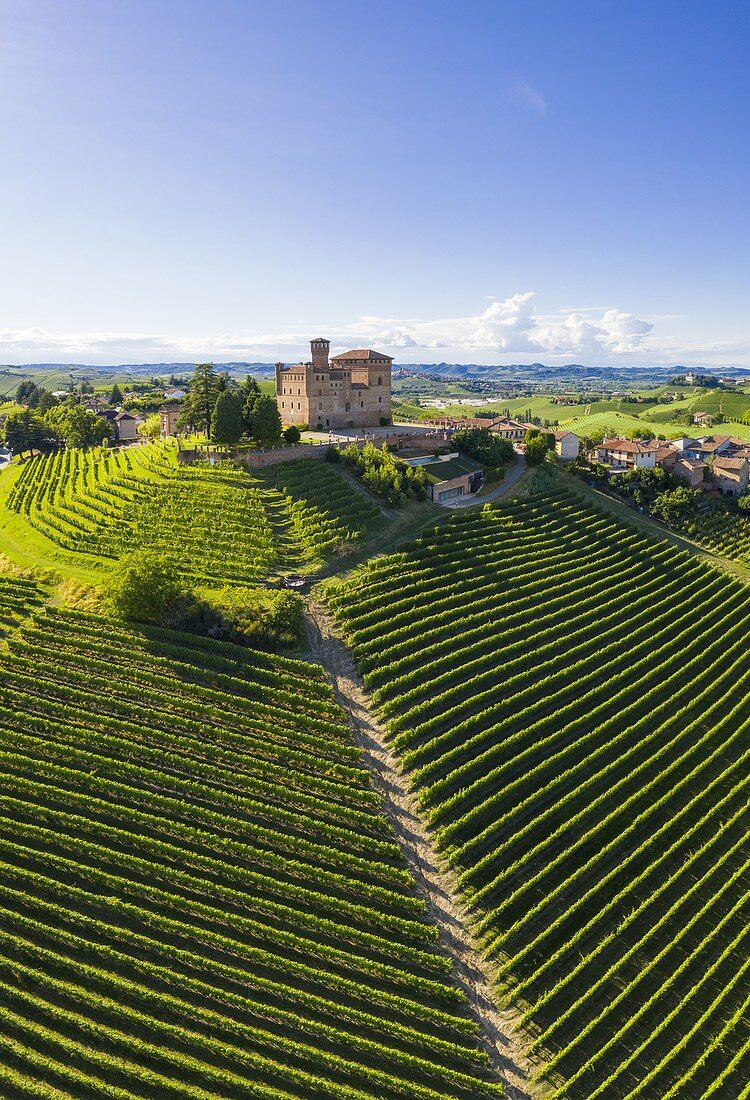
point(227, 415)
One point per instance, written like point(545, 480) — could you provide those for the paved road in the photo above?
point(511, 477)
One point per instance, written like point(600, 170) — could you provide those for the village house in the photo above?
point(512, 430)
point(173, 393)
point(712, 446)
point(567, 445)
point(730, 476)
point(126, 427)
point(683, 444)
point(703, 418)
point(690, 470)
point(168, 415)
point(667, 456)
point(628, 454)
point(351, 390)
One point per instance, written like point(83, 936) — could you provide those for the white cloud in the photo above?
point(521, 91)
point(507, 330)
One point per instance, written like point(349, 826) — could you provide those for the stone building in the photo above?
point(169, 414)
point(352, 390)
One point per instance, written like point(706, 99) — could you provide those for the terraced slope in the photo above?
point(222, 522)
point(326, 514)
point(574, 712)
point(109, 502)
point(199, 895)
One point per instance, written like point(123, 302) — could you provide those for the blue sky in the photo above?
point(469, 182)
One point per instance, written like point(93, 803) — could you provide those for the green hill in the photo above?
point(574, 715)
point(84, 509)
point(199, 893)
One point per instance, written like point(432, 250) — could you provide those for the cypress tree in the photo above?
point(226, 421)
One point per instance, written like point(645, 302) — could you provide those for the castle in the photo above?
point(352, 390)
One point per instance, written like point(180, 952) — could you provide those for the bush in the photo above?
point(144, 587)
point(482, 445)
point(386, 475)
point(246, 616)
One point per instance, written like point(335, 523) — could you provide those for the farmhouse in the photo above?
point(126, 427)
point(730, 476)
point(690, 470)
point(711, 446)
point(512, 430)
point(352, 390)
point(628, 454)
point(567, 445)
point(667, 456)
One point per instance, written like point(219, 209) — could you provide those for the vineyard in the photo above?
point(326, 514)
point(199, 894)
point(17, 597)
point(223, 523)
point(574, 716)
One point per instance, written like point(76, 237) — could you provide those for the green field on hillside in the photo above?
point(78, 511)
point(574, 715)
point(617, 423)
point(200, 896)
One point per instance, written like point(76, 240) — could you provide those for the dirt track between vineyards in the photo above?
point(499, 1034)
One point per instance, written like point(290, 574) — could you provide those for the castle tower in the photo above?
point(320, 349)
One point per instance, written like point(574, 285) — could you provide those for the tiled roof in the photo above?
point(361, 354)
point(629, 446)
point(730, 463)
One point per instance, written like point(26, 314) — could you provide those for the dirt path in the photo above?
point(499, 1036)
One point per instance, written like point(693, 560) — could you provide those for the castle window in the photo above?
point(380, 380)
point(346, 408)
point(320, 404)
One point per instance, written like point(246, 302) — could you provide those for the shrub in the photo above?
point(144, 587)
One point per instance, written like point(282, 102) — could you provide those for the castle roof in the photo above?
point(362, 354)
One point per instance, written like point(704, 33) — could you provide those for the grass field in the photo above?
point(199, 893)
point(574, 715)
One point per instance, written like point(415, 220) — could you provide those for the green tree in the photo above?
point(536, 446)
point(198, 406)
point(46, 402)
point(28, 393)
point(226, 422)
point(151, 427)
point(144, 587)
point(115, 395)
point(266, 422)
point(292, 435)
point(482, 445)
point(250, 392)
point(676, 504)
point(24, 431)
point(76, 426)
